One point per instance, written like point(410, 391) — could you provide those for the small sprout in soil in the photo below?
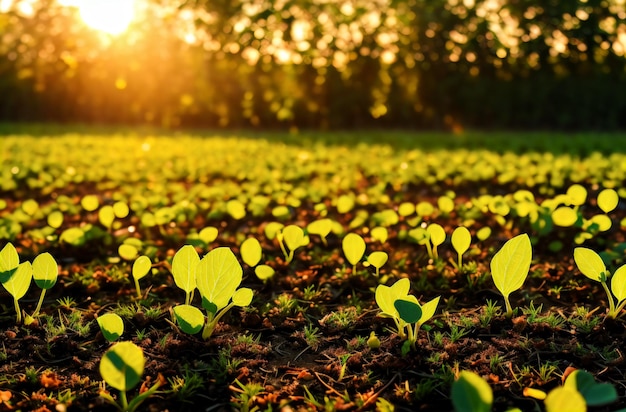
point(353, 247)
point(471, 393)
point(312, 336)
point(591, 265)
point(15, 277)
point(251, 252)
point(246, 395)
point(141, 267)
point(45, 273)
point(377, 259)
point(264, 272)
point(510, 266)
point(373, 342)
point(380, 234)
point(321, 228)
point(184, 267)
point(122, 367)
point(461, 241)
point(437, 236)
point(291, 238)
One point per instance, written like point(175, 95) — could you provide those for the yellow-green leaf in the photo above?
point(264, 272)
point(618, 283)
point(607, 200)
point(111, 326)
point(120, 209)
point(236, 209)
point(9, 261)
point(424, 209)
point(122, 366)
point(429, 308)
point(271, 229)
point(208, 234)
point(73, 236)
point(377, 259)
point(184, 267)
point(577, 194)
point(293, 236)
point(437, 234)
point(564, 216)
point(90, 203)
point(18, 282)
point(251, 252)
point(190, 319)
point(243, 297)
point(445, 204)
point(380, 234)
point(141, 267)
point(30, 207)
point(564, 398)
point(406, 209)
point(45, 270)
point(471, 393)
point(510, 266)
point(345, 203)
point(461, 239)
point(127, 251)
point(483, 233)
point(320, 227)
point(603, 221)
point(218, 277)
point(55, 219)
point(353, 247)
point(590, 263)
point(106, 215)
point(387, 295)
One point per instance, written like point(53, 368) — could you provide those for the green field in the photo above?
point(330, 221)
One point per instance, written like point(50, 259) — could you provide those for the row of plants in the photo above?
point(340, 303)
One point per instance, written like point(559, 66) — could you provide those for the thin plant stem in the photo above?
point(39, 303)
point(612, 313)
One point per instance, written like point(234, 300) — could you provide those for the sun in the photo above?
point(108, 16)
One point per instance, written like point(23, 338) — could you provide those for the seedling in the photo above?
point(437, 236)
point(251, 252)
point(14, 276)
point(471, 393)
point(218, 277)
point(579, 390)
point(291, 238)
point(141, 267)
point(111, 325)
point(322, 228)
point(264, 272)
point(461, 241)
point(353, 247)
point(591, 265)
point(396, 303)
point(45, 273)
point(122, 367)
point(377, 259)
point(380, 234)
point(509, 267)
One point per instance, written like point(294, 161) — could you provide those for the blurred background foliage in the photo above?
point(321, 64)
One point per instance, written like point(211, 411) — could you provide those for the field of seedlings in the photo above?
point(372, 271)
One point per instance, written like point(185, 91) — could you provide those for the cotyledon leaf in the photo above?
point(510, 266)
point(184, 268)
point(218, 276)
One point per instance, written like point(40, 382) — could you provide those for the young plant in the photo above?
point(122, 367)
point(377, 259)
point(461, 241)
point(353, 247)
point(45, 273)
point(291, 238)
point(218, 277)
point(510, 266)
point(591, 265)
point(264, 272)
point(471, 393)
point(437, 237)
point(579, 390)
point(141, 267)
point(15, 276)
point(405, 310)
point(321, 227)
point(184, 268)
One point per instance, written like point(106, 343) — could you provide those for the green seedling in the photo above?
point(461, 241)
point(251, 252)
point(291, 238)
point(55, 219)
point(591, 265)
point(405, 310)
point(141, 267)
point(377, 259)
point(45, 273)
point(321, 228)
point(437, 237)
point(353, 247)
point(121, 367)
point(379, 234)
point(510, 266)
point(184, 266)
point(608, 200)
point(236, 209)
point(272, 229)
point(264, 272)
point(106, 216)
point(579, 390)
point(218, 275)
point(471, 393)
point(15, 276)
point(111, 325)
point(90, 203)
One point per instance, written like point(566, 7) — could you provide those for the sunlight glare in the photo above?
point(109, 16)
